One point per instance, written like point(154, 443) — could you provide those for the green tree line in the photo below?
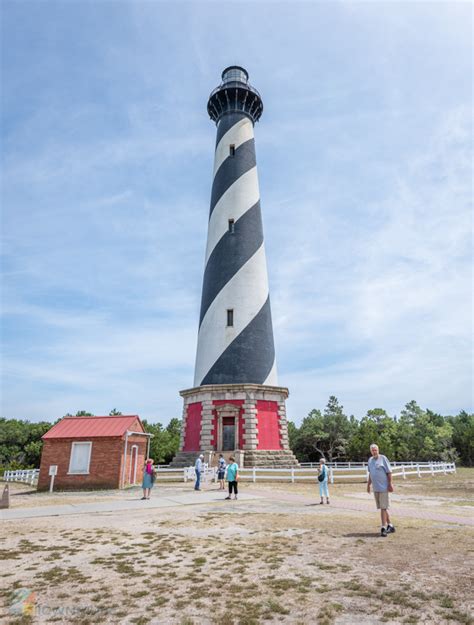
point(416, 434)
point(21, 444)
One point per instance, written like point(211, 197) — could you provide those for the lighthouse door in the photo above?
point(228, 434)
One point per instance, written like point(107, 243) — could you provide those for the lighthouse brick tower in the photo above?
point(236, 406)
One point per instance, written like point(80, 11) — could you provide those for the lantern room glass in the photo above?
point(235, 74)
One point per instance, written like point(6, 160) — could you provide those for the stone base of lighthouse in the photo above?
point(247, 421)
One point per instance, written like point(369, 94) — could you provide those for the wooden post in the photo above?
point(292, 475)
point(331, 475)
point(432, 469)
point(403, 472)
point(254, 475)
point(418, 470)
point(5, 500)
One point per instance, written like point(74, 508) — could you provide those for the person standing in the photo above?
point(198, 470)
point(148, 478)
point(380, 478)
point(232, 477)
point(221, 471)
point(323, 478)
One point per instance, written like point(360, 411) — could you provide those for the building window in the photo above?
point(80, 458)
point(231, 226)
point(230, 317)
point(232, 149)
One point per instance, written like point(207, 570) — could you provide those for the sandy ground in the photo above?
point(274, 559)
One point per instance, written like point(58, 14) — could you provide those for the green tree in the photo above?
point(324, 435)
point(376, 427)
point(463, 436)
point(20, 443)
point(293, 432)
point(114, 412)
point(165, 441)
point(337, 431)
point(305, 439)
point(423, 435)
point(83, 413)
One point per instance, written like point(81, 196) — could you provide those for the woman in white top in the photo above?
point(323, 475)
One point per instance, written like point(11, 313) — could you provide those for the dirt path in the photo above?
point(272, 557)
point(398, 509)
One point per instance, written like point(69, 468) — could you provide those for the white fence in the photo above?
point(357, 471)
point(337, 472)
point(350, 465)
point(27, 476)
point(341, 471)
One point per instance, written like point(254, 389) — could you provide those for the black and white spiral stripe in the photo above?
point(235, 275)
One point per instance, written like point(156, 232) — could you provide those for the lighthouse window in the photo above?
point(231, 226)
point(232, 150)
point(230, 317)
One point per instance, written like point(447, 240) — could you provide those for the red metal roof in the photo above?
point(80, 427)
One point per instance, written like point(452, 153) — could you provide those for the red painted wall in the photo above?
point(268, 428)
point(192, 434)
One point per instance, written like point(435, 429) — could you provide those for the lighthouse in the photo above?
point(235, 406)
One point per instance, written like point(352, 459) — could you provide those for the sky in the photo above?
point(364, 156)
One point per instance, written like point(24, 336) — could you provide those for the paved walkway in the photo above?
point(159, 501)
point(164, 500)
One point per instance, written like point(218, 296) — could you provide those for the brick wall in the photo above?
point(104, 469)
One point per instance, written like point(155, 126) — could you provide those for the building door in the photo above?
point(228, 434)
point(133, 464)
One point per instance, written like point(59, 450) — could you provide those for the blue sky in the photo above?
point(364, 155)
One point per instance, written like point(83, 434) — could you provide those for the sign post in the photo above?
point(5, 500)
point(53, 470)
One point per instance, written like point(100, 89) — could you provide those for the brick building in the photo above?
point(94, 452)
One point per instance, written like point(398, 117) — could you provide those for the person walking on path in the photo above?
point(232, 477)
point(221, 472)
point(148, 478)
point(323, 477)
point(380, 478)
point(198, 470)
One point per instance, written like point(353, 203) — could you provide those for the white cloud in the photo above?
point(364, 161)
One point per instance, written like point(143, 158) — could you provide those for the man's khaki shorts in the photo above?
point(382, 500)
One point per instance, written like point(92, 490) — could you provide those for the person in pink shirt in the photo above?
point(148, 478)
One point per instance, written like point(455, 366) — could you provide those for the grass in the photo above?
point(389, 615)
point(274, 607)
point(460, 617)
point(328, 613)
point(311, 575)
point(446, 602)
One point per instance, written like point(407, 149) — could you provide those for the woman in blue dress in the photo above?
point(148, 478)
